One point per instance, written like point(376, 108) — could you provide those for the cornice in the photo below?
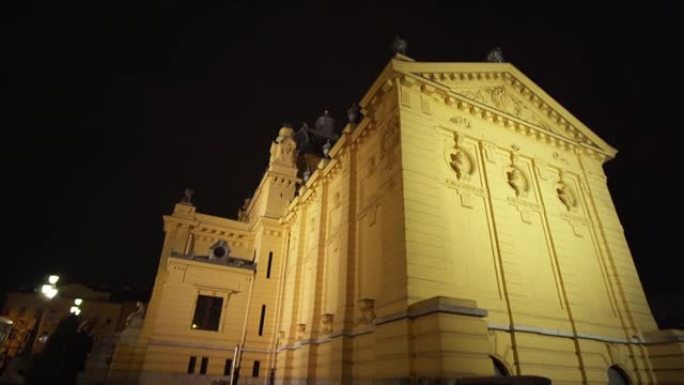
point(268, 226)
point(178, 220)
point(171, 260)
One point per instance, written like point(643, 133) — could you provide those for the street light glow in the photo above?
point(53, 279)
point(78, 301)
point(75, 310)
point(49, 291)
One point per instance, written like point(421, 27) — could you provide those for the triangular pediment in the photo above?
point(503, 89)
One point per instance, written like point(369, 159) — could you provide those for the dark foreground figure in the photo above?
point(63, 357)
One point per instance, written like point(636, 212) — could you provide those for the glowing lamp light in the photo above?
point(194, 326)
point(78, 301)
point(53, 279)
point(45, 289)
point(75, 310)
point(49, 291)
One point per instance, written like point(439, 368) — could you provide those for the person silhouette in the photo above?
point(63, 357)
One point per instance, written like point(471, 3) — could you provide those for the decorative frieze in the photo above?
point(505, 103)
point(460, 121)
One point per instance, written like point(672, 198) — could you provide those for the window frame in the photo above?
point(256, 368)
point(192, 364)
point(204, 365)
point(224, 309)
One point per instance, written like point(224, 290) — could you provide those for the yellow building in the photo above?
point(462, 227)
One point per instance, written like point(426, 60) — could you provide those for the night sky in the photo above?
point(112, 110)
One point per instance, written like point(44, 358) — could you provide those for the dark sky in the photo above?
point(111, 110)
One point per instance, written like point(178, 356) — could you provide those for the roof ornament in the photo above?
point(495, 55)
point(302, 137)
point(325, 125)
point(312, 140)
point(399, 45)
point(353, 113)
point(326, 148)
point(187, 196)
point(306, 174)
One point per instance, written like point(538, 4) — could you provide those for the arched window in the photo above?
point(617, 376)
point(500, 369)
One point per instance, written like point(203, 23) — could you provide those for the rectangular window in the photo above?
point(255, 368)
point(203, 365)
point(207, 313)
point(228, 367)
point(261, 321)
point(270, 260)
point(191, 365)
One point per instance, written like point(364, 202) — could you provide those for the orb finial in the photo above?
point(399, 45)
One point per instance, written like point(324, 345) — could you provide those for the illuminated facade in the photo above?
point(462, 227)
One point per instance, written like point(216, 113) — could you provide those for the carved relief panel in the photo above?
point(371, 172)
point(510, 177)
point(334, 206)
point(462, 175)
point(389, 142)
point(460, 160)
point(568, 200)
point(517, 175)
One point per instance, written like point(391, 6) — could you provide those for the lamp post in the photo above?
point(48, 291)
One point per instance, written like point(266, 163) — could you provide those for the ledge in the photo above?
point(228, 262)
point(447, 305)
point(665, 335)
point(440, 304)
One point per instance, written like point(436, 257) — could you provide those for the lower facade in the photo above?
point(436, 341)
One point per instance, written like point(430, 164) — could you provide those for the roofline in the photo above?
point(403, 65)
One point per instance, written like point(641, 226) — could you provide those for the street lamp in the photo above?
point(53, 279)
point(76, 309)
point(49, 290)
